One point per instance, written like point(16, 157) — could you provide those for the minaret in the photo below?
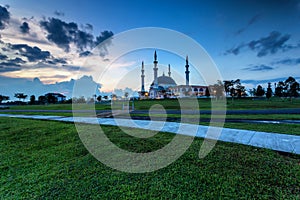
point(169, 73)
point(143, 78)
point(187, 72)
point(155, 71)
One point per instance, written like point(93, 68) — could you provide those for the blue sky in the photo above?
point(254, 40)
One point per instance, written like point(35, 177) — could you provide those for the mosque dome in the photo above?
point(165, 81)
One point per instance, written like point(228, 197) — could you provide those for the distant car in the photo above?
point(4, 107)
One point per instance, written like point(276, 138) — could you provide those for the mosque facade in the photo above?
point(165, 86)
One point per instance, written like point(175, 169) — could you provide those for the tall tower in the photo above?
point(169, 73)
point(143, 78)
point(155, 71)
point(187, 72)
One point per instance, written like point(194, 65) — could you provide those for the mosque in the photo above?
point(165, 87)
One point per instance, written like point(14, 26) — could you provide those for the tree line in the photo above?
point(288, 88)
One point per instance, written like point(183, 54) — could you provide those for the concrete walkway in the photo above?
point(274, 141)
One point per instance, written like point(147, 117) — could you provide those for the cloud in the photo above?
point(288, 61)
point(24, 28)
point(63, 34)
point(105, 39)
point(83, 39)
point(253, 20)
point(85, 54)
point(9, 86)
point(103, 36)
point(88, 27)
point(55, 61)
point(270, 44)
point(264, 46)
point(8, 66)
point(59, 13)
point(3, 57)
point(18, 60)
point(235, 50)
point(274, 80)
point(59, 32)
point(4, 17)
point(32, 53)
point(259, 68)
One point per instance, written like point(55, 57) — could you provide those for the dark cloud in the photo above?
point(3, 57)
point(59, 13)
point(32, 53)
point(55, 61)
point(288, 61)
point(83, 39)
point(17, 61)
point(71, 67)
point(85, 54)
point(271, 44)
point(103, 36)
point(253, 20)
point(259, 68)
point(235, 50)
point(9, 66)
point(88, 27)
point(105, 39)
point(265, 81)
point(59, 32)
point(24, 28)
point(4, 17)
point(63, 34)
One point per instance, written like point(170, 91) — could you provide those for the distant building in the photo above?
point(165, 86)
point(55, 97)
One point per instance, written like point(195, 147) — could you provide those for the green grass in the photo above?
point(273, 103)
point(235, 116)
point(204, 104)
point(46, 160)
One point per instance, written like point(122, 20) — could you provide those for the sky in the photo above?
point(47, 45)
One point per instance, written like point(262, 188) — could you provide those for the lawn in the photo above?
point(173, 104)
point(46, 160)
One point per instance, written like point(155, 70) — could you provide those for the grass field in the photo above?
point(204, 104)
point(46, 160)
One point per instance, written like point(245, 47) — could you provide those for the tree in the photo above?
point(217, 89)
point(81, 100)
point(50, 98)
point(234, 88)
point(32, 99)
point(21, 96)
point(42, 99)
point(292, 87)
point(269, 91)
point(280, 89)
point(3, 98)
point(99, 98)
point(252, 92)
point(228, 87)
point(260, 91)
point(207, 94)
point(126, 95)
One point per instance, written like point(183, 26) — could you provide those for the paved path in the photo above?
point(274, 141)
